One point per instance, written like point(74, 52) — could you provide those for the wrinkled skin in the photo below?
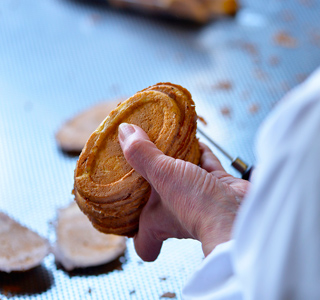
point(187, 201)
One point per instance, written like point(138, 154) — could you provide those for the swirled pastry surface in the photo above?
point(107, 189)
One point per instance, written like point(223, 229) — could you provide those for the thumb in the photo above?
point(142, 154)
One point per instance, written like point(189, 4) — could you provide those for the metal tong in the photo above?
point(237, 163)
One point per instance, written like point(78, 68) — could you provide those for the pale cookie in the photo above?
point(80, 245)
point(21, 249)
point(73, 134)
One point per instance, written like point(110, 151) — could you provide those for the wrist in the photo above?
point(215, 232)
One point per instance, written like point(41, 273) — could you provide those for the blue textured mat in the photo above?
point(59, 57)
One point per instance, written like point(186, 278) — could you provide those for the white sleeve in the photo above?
point(277, 234)
point(276, 249)
point(214, 278)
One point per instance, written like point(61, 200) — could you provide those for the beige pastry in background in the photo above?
point(73, 134)
point(195, 10)
point(21, 249)
point(79, 244)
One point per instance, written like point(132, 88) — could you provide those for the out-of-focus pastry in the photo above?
point(79, 245)
point(73, 134)
point(21, 249)
point(195, 10)
point(106, 188)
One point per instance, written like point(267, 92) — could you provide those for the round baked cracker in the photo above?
point(21, 249)
point(80, 245)
point(73, 134)
point(107, 189)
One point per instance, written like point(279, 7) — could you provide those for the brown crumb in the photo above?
point(315, 37)
point(285, 86)
point(260, 74)
point(119, 268)
point(202, 120)
point(223, 85)
point(301, 77)
point(249, 48)
point(169, 295)
point(287, 16)
point(274, 60)
point(307, 2)
point(163, 278)
point(284, 39)
point(254, 108)
point(95, 18)
point(89, 290)
point(225, 111)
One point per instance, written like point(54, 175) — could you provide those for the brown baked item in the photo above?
point(74, 133)
point(106, 188)
point(195, 10)
point(79, 245)
point(21, 249)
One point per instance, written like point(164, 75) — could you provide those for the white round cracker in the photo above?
point(20, 248)
point(80, 245)
point(73, 134)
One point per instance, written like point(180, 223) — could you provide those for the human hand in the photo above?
point(186, 201)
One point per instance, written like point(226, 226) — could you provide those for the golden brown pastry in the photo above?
point(194, 10)
point(107, 189)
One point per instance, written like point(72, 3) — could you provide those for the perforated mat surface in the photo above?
point(59, 57)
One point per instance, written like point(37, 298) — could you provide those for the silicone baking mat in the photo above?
point(59, 57)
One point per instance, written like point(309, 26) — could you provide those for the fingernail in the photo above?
point(125, 130)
